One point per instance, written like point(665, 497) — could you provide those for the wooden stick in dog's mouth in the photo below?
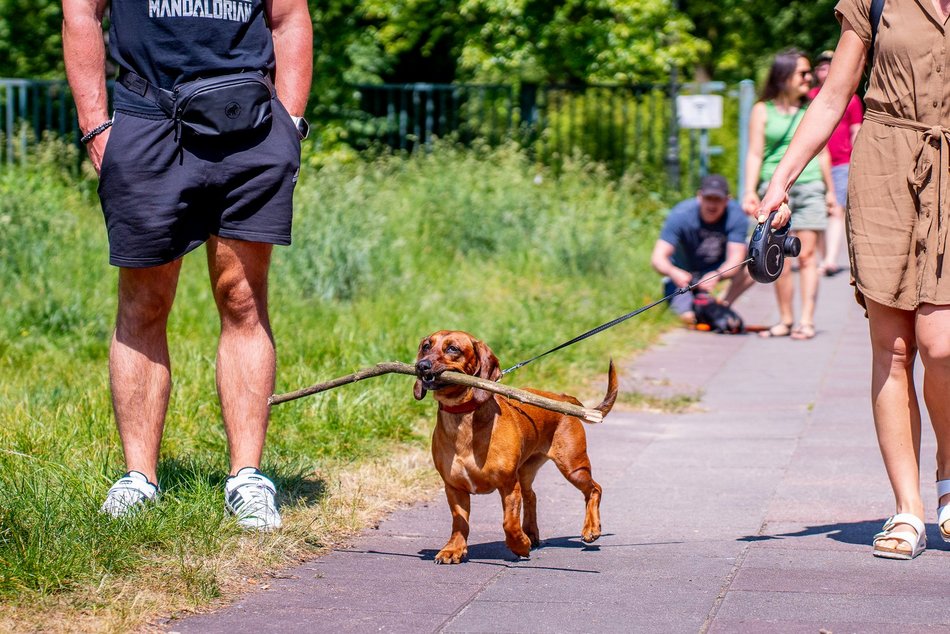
point(584, 413)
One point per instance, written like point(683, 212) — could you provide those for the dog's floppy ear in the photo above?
point(418, 391)
point(487, 362)
point(487, 369)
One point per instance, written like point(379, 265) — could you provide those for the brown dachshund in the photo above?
point(483, 442)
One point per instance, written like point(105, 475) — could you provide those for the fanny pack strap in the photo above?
point(164, 99)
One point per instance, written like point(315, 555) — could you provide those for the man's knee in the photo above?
point(239, 301)
point(146, 296)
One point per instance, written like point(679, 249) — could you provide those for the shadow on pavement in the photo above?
point(845, 532)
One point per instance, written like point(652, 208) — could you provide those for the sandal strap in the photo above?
point(905, 536)
point(916, 541)
point(904, 518)
point(943, 488)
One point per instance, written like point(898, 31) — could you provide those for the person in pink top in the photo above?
point(839, 147)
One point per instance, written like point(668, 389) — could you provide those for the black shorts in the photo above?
point(162, 198)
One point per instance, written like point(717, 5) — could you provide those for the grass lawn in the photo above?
point(385, 251)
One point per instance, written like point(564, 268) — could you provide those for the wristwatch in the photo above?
point(303, 128)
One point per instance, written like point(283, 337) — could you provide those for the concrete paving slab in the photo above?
point(802, 626)
point(751, 512)
point(860, 610)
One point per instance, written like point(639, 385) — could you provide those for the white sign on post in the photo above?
point(699, 111)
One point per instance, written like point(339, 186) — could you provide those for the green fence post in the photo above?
point(673, 137)
point(746, 101)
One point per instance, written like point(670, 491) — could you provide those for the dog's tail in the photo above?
point(612, 388)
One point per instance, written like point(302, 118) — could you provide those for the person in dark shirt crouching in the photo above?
point(703, 236)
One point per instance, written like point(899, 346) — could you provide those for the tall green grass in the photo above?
point(385, 251)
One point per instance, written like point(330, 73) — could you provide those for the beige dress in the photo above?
point(899, 184)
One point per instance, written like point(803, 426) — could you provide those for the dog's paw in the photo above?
point(589, 535)
point(451, 556)
point(534, 538)
point(519, 545)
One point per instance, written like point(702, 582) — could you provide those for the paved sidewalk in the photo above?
point(752, 513)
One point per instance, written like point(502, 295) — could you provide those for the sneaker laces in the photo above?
point(249, 496)
point(128, 493)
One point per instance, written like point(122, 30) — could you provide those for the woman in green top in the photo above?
point(812, 198)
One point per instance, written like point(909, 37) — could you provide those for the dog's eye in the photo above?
point(453, 350)
point(425, 346)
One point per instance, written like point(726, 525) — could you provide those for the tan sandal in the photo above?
point(778, 330)
point(917, 541)
point(943, 512)
point(804, 332)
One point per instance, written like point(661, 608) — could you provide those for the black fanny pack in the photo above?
point(215, 106)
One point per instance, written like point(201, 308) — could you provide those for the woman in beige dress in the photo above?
point(898, 217)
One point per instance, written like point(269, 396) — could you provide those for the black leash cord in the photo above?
point(611, 324)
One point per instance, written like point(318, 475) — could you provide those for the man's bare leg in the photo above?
point(246, 355)
point(139, 366)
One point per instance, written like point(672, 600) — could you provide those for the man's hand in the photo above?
point(708, 282)
point(97, 149)
point(681, 278)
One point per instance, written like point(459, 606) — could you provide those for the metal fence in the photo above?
point(624, 127)
point(615, 124)
point(28, 108)
point(621, 126)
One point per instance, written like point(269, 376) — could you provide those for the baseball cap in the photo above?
point(714, 185)
point(824, 56)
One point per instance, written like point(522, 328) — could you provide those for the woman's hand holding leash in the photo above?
point(775, 199)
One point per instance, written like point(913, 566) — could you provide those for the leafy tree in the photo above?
point(578, 40)
point(31, 42)
point(743, 33)
point(535, 40)
point(345, 52)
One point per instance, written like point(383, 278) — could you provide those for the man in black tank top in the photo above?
point(166, 189)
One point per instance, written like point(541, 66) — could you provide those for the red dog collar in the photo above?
point(462, 408)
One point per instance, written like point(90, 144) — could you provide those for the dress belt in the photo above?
point(933, 150)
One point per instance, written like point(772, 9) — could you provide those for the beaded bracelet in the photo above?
point(96, 131)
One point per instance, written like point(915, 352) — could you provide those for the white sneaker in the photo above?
point(249, 496)
point(129, 493)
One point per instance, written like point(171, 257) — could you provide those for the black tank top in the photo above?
point(172, 41)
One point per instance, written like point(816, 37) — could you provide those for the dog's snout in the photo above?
point(423, 366)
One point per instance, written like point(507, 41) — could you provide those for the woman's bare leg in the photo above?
point(895, 407)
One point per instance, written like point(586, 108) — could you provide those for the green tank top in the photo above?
point(776, 124)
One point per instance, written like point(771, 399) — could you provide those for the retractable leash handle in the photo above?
point(768, 249)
